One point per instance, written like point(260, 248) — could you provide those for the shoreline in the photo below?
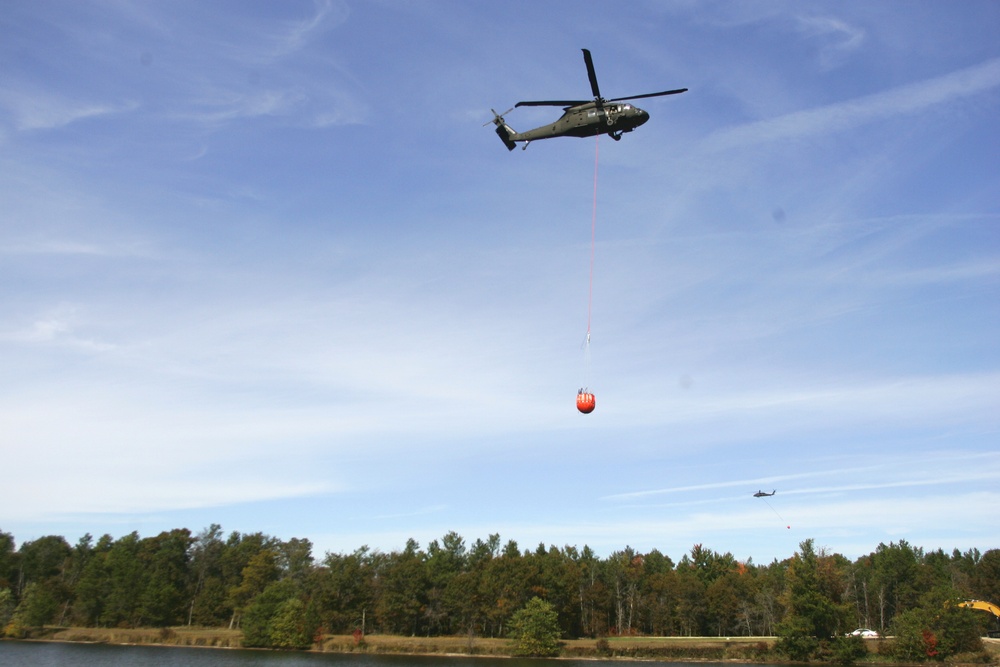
point(688, 649)
point(736, 650)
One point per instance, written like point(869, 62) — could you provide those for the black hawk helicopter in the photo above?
point(763, 494)
point(581, 118)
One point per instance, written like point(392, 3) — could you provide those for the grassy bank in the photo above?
point(715, 649)
point(705, 648)
point(663, 648)
point(184, 636)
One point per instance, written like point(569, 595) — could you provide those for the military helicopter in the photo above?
point(581, 118)
point(763, 494)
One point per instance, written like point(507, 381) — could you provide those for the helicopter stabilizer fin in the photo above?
point(504, 133)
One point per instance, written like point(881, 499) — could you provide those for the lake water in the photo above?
point(55, 654)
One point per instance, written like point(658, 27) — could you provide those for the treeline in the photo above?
point(280, 595)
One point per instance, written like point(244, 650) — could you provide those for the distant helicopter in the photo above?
point(581, 118)
point(762, 494)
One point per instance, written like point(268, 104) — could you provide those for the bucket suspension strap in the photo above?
point(585, 400)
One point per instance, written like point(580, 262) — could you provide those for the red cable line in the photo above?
point(593, 227)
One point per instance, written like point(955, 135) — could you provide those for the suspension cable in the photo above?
point(585, 399)
point(593, 229)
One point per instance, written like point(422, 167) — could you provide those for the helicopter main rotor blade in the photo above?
point(639, 97)
point(552, 103)
point(591, 74)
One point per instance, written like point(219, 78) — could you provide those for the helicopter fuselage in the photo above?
point(588, 120)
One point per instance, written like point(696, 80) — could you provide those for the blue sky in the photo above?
point(262, 265)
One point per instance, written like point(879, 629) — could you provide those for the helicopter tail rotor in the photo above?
point(498, 117)
point(503, 130)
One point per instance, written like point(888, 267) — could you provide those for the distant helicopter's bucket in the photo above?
point(585, 402)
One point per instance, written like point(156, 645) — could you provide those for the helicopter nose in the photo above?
point(641, 116)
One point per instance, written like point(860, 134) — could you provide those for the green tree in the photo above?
point(768, 598)
point(72, 573)
point(690, 591)
point(207, 604)
point(502, 588)
point(259, 629)
point(288, 626)
point(37, 606)
point(295, 559)
point(403, 590)
point(795, 638)
point(41, 560)
point(238, 552)
point(445, 562)
point(624, 571)
point(722, 598)
point(260, 572)
point(849, 650)
point(812, 612)
point(660, 598)
point(555, 578)
point(165, 577)
point(347, 591)
point(936, 629)
point(807, 596)
point(7, 561)
point(483, 551)
point(7, 606)
point(124, 585)
point(894, 575)
point(464, 600)
point(985, 582)
point(710, 565)
point(592, 593)
point(93, 584)
point(534, 630)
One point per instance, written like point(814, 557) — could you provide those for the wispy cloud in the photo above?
point(839, 117)
point(224, 107)
point(72, 247)
point(304, 86)
point(328, 14)
point(855, 525)
point(786, 404)
point(840, 39)
point(875, 517)
point(41, 110)
point(742, 483)
point(420, 511)
point(142, 492)
point(924, 469)
point(59, 327)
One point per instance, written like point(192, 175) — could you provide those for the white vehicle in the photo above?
point(863, 632)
